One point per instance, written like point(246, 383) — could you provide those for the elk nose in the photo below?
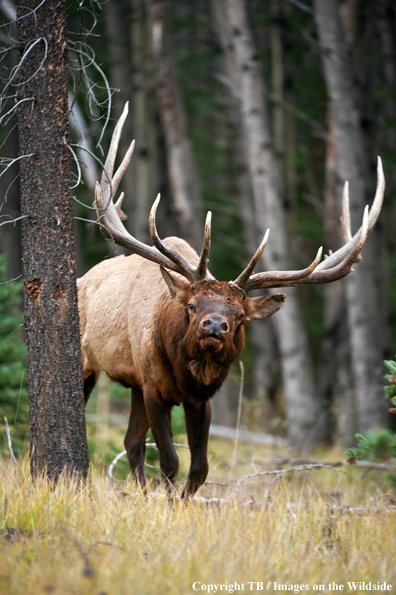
point(215, 327)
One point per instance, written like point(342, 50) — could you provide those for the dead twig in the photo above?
point(238, 424)
point(9, 441)
point(344, 463)
point(124, 452)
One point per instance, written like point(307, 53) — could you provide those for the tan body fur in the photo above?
point(119, 305)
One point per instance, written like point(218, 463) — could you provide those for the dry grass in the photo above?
point(94, 539)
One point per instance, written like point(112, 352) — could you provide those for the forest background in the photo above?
point(325, 85)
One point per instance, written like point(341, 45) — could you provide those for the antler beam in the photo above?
point(335, 266)
point(110, 217)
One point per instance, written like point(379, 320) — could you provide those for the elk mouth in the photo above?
point(211, 342)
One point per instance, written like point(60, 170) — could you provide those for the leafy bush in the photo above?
point(378, 445)
point(390, 391)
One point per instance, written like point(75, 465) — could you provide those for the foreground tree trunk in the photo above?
point(297, 373)
point(363, 304)
point(57, 418)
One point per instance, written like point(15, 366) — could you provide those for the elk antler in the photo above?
point(110, 217)
point(335, 266)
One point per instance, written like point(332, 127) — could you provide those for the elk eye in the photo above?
point(240, 316)
point(191, 307)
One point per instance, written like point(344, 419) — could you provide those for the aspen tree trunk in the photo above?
point(300, 399)
point(262, 331)
point(57, 416)
point(386, 25)
point(352, 164)
point(145, 160)
point(335, 381)
point(181, 166)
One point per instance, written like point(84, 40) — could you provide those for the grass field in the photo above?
point(98, 539)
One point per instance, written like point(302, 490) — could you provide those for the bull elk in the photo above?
point(158, 321)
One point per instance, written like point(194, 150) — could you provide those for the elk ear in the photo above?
point(177, 287)
point(263, 306)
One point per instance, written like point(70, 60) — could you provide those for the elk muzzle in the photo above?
point(213, 331)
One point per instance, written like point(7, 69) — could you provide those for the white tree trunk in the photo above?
point(352, 164)
point(301, 402)
point(262, 332)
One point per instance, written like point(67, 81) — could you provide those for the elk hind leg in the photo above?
point(135, 439)
point(90, 379)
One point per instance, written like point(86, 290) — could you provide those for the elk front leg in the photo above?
point(135, 439)
point(197, 425)
point(159, 417)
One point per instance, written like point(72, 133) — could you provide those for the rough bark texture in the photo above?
point(363, 303)
point(58, 435)
point(301, 404)
point(181, 166)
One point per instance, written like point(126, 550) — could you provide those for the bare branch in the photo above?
point(11, 280)
point(82, 52)
point(13, 220)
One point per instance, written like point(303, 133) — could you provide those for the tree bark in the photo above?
point(262, 331)
point(363, 303)
point(297, 373)
point(57, 418)
point(145, 161)
point(181, 166)
point(335, 381)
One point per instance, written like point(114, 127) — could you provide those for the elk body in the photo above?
point(158, 322)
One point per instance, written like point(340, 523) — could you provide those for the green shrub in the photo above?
point(390, 391)
point(379, 445)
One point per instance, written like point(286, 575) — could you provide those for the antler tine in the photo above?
point(185, 268)
point(346, 219)
point(115, 141)
point(346, 214)
point(281, 278)
point(118, 205)
point(379, 196)
point(115, 182)
point(202, 268)
point(244, 276)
